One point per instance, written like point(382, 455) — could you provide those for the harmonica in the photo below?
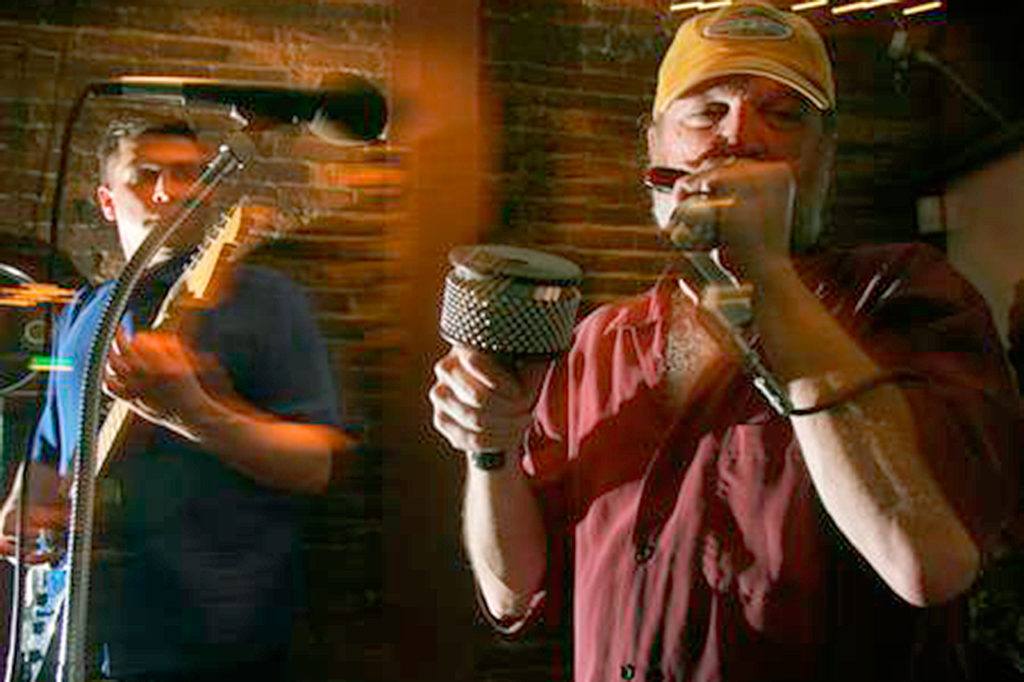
point(662, 178)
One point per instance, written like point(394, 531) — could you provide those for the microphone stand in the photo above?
point(902, 53)
point(719, 293)
point(71, 663)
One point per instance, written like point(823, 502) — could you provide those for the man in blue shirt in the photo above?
point(199, 506)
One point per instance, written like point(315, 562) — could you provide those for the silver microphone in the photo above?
point(510, 301)
point(693, 225)
point(694, 222)
point(514, 303)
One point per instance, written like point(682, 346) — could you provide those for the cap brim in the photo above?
point(753, 66)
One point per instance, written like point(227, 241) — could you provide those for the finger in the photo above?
point(488, 370)
point(512, 418)
point(118, 364)
point(466, 388)
point(443, 400)
point(476, 364)
point(148, 413)
point(169, 354)
point(471, 392)
point(715, 162)
point(700, 181)
point(471, 441)
point(712, 176)
point(115, 388)
point(148, 349)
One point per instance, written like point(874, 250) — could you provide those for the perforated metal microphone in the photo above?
point(514, 303)
point(510, 301)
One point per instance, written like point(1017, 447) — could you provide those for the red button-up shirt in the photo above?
point(696, 546)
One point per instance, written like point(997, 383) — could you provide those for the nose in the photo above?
point(742, 131)
point(167, 187)
point(161, 193)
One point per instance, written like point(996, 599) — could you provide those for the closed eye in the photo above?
point(144, 175)
point(785, 116)
point(706, 115)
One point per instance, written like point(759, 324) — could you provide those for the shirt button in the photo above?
point(644, 552)
point(627, 672)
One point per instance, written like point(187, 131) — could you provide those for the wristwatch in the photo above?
point(488, 461)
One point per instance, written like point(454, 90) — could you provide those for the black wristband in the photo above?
point(488, 461)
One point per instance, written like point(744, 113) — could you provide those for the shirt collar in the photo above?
point(655, 304)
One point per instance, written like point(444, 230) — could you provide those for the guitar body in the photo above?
point(41, 611)
point(45, 586)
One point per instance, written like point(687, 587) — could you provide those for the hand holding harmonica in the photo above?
point(744, 203)
point(694, 222)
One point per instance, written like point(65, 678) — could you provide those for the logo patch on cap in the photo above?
point(748, 23)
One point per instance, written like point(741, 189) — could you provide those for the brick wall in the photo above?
point(333, 201)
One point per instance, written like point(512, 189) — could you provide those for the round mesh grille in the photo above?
point(506, 314)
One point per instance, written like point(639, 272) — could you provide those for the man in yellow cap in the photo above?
point(824, 528)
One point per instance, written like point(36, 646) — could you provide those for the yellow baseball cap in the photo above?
point(747, 38)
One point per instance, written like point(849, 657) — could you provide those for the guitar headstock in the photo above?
point(239, 230)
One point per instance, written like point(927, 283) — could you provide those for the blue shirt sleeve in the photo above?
point(48, 437)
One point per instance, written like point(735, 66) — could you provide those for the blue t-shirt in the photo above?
point(195, 562)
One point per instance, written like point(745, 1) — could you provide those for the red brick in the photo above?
point(277, 172)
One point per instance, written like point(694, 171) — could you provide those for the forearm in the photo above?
point(279, 454)
point(863, 456)
point(872, 481)
point(505, 538)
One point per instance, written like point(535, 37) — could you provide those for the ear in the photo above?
point(105, 198)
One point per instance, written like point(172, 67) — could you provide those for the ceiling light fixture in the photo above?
point(682, 6)
point(811, 4)
point(918, 9)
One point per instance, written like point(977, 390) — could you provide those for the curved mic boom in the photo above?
point(345, 108)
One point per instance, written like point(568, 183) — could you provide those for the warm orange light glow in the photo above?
point(714, 203)
point(31, 295)
point(808, 5)
point(357, 175)
point(926, 7)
